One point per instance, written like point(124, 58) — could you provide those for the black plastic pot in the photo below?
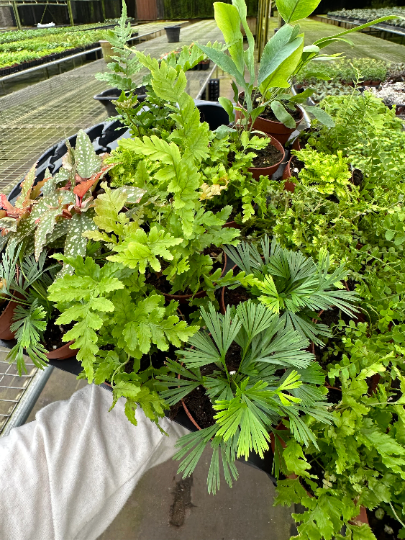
point(213, 113)
point(173, 34)
point(108, 96)
point(104, 137)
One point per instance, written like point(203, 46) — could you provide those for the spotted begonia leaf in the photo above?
point(75, 243)
point(44, 228)
point(87, 161)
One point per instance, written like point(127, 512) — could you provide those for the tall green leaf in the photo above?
point(294, 10)
point(228, 21)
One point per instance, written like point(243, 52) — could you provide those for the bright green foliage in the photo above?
point(361, 459)
point(290, 284)
point(109, 306)
point(141, 249)
point(250, 399)
point(87, 295)
point(226, 183)
point(329, 173)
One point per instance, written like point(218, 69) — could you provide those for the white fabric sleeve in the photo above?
point(67, 475)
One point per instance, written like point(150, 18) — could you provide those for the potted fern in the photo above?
point(122, 66)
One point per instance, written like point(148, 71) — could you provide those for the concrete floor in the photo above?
point(165, 507)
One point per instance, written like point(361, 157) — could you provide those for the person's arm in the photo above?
point(66, 475)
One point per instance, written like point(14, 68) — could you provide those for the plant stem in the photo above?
point(396, 515)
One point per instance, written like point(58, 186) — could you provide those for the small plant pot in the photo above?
point(173, 34)
point(62, 353)
point(232, 225)
point(6, 321)
point(107, 50)
point(268, 171)
point(289, 185)
point(107, 97)
point(276, 129)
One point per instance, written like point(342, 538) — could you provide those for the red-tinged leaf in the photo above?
point(3, 213)
point(5, 204)
point(81, 189)
point(36, 190)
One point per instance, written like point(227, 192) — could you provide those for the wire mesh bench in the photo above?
point(18, 394)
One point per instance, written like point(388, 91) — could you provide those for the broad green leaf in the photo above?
point(277, 49)
point(282, 115)
point(228, 21)
point(321, 115)
point(225, 62)
point(294, 10)
point(281, 74)
point(228, 106)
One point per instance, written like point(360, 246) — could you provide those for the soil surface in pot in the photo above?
point(163, 285)
point(197, 402)
point(268, 114)
point(233, 297)
point(267, 156)
point(52, 337)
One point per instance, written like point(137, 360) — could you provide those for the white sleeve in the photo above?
point(66, 475)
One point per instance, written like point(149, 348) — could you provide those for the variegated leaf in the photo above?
point(44, 205)
point(26, 187)
point(8, 224)
point(87, 161)
point(61, 228)
point(51, 184)
point(45, 228)
point(75, 243)
point(3, 241)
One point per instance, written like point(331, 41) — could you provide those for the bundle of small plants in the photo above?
point(181, 273)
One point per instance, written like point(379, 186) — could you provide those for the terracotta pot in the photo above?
point(268, 171)
point(289, 185)
point(278, 130)
point(6, 321)
point(184, 298)
point(232, 225)
point(400, 110)
point(62, 353)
